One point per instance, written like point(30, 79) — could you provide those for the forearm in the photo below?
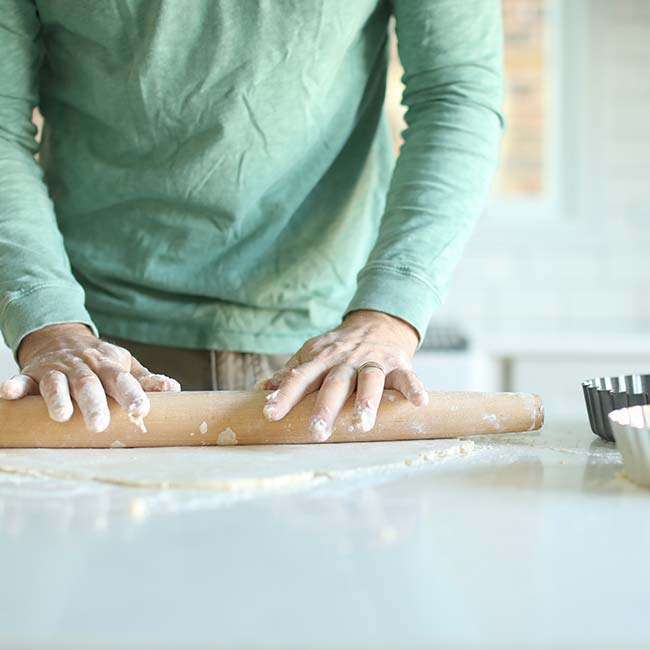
point(452, 57)
point(37, 287)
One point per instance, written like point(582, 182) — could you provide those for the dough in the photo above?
point(229, 469)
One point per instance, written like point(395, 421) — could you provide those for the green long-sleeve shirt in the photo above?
point(219, 174)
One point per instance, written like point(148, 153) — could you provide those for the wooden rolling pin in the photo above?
point(234, 417)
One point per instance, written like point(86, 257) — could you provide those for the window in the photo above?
point(525, 156)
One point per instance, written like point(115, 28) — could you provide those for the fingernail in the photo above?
point(270, 411)
point(170, 385)
point(11, 388)
point(421, 398)
point(271, 397)
point(61, 413)
point(139, 407)
point(162, 383)
point(98, 421)
point(320, 429)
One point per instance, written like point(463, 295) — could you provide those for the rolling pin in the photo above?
point(235, 417)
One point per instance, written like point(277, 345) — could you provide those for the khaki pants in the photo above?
point(205, 369)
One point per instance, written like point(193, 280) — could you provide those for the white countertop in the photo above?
point(531, 541)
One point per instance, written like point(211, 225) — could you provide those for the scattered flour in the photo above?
point(227, 437)
point(320, 429)
point(138, 420)
point(241, 470)
point(492, 421)
point(364, 419)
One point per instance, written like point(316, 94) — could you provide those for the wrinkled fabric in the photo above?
point(219, 175)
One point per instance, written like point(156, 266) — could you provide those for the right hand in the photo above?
point(67, 361)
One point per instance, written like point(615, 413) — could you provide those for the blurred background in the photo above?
point(553, 287)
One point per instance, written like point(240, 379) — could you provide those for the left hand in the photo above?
point(368, 351)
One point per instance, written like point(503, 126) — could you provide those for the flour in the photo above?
point(227, 437)
point(536, 412)
point(320, 429)
point(230, 469)
point(492, 421)
point(138, 420)
point(364, 419)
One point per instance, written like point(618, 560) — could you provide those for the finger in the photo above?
point(153, 382)
point(159, 384)
point(408, 383)
point(127, 391)
point(18, 386)
point(56, 393)
point(280, 375)
point(370, 386)
point(297, 383)
point(89, 394)
point(334, 392)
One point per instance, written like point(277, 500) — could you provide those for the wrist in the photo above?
point(404, 327)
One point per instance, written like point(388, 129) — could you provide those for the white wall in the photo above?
point(7, 364)
point(585, 265)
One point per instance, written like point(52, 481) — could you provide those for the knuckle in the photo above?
point(110, 371)
point(121, 355)
point(335, 380)
point(85, 381)
point(50, 376)
point(295, 373)
point(309, 346)
point(412, 377)
point(89, 352)
point(338, 347)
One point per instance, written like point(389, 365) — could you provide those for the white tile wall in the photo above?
point(588, 268)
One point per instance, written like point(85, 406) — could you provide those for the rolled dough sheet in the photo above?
point(230, 469)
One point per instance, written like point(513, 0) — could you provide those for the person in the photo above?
point(216, 186)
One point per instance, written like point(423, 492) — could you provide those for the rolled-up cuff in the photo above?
point(40, 306)
point(396, 292)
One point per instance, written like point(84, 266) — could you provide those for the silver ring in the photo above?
point(371, 364)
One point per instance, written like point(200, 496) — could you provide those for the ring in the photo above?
point(371, 364)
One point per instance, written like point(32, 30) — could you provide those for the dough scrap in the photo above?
point(229, 468)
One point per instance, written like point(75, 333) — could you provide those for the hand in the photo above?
point(333, 364)
point(68, 361)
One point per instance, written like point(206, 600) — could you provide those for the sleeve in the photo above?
point(37, 287)
point(451, 51)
